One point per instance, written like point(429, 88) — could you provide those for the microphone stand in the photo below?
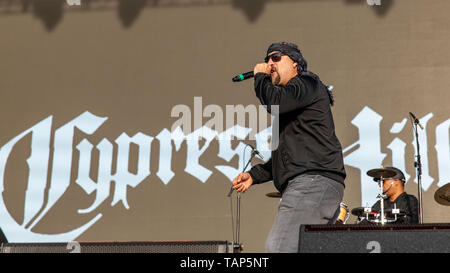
point(237, 246)
point(418, 166)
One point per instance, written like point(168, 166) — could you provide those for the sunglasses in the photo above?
point(276, 57)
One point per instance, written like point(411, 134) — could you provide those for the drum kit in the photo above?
point(383, 216)
point(366, 214)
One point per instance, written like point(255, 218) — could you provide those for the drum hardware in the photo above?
point(391, 215)
point(379, 175)
point(364, 213)
point(368, 211)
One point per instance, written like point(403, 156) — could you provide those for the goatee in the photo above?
point(276, 81)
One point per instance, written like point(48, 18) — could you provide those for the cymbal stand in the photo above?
point(381, 196)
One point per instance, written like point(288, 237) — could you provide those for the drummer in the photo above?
point(394, 189)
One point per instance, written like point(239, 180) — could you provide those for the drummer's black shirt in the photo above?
point(406, 203)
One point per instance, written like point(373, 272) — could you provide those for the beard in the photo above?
point(276, 80)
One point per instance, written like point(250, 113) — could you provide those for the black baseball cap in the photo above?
point(398, 174)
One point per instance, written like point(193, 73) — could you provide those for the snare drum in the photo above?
point(343, 215)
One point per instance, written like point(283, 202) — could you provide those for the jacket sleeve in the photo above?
point(297, 94)
point(262, 172)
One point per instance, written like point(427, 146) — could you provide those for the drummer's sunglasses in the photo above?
point(276, 57)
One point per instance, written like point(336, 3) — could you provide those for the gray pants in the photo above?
point(307, 199)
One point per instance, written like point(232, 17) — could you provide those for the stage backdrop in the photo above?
point(101, 106)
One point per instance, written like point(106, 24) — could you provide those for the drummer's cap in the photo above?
point(398, 174)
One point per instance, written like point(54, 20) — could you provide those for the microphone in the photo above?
point(256, 152)
point(416, 121)
point(243, 76)
point(390, 186)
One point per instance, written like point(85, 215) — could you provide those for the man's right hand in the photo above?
point(263, 68)
point(242, 182)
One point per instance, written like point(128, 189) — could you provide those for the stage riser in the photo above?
point(375, 241)
point(122, 247)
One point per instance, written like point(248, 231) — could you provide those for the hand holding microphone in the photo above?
point(244, 181)
point(243, 76)
point(262, 67)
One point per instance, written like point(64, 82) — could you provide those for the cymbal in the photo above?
point(442, 195)
point(378, 173)
point(274, 194)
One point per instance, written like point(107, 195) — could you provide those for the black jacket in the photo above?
point(307, 140)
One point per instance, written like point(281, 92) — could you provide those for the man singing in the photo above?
point(307, 167)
